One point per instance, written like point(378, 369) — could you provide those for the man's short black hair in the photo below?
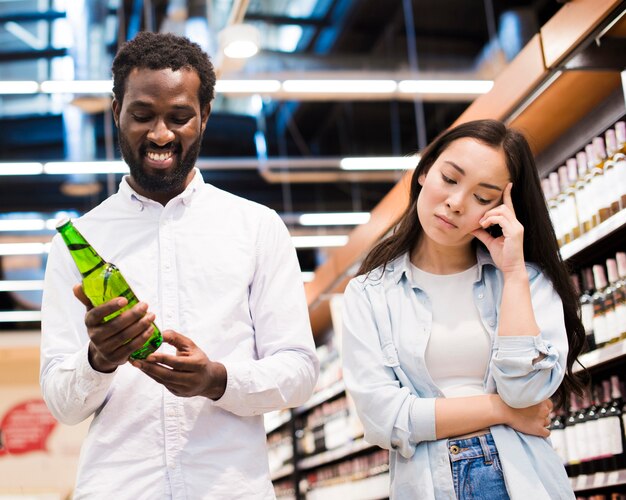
point(162, 51)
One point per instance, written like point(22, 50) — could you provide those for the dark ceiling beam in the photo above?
point(274, 19)
point(24, 55)
point(26, 17)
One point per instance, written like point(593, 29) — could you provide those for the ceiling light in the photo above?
point(239, 41)
point(21, 168)
point(10, 225)
point(380, 163)
point(340, 86)
point(17, 316)
point(25, 87)
point(85, 167)
point(334, 219)
point(24, 248)
point(445, 86)
point(77, 87)
point(320, 241)
point(247, 86)
point(20, 285)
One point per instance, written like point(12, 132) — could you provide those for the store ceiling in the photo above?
point(304, 138)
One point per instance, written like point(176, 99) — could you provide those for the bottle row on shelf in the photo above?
point(348, 471)
point(327, 427)
point(591, 438)
point(603, 496)
point(602, 292)
point(589, 188)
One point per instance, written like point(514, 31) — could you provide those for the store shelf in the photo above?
point(275, 420)
point(603, 355)
point(336, 454)
point(321, 396)
point(612, 224)
point(599, 480)
point(284, 471)
point(371, 488)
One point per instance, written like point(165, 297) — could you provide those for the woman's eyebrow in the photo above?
point(462, 172)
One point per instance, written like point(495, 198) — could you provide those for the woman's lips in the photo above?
point(445, 220)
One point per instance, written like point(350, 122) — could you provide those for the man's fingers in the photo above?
point(96, 316)
point(80, 295)
point(178, 340)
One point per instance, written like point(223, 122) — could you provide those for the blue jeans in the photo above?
point(476, 469)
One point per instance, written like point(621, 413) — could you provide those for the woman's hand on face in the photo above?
point(507, 251)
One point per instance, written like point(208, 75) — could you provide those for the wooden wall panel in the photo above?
point(571, 25)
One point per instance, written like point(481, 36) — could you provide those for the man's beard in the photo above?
point(159, 182)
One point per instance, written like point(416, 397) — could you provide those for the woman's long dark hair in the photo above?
point(540, 244)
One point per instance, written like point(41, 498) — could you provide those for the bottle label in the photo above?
point(559, 443)
point(571, 441)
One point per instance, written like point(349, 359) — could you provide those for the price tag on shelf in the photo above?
point(599, 479)
point(612, 478)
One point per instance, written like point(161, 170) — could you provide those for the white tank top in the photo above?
point(458, 349)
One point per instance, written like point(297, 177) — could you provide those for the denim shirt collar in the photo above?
point(401, 266)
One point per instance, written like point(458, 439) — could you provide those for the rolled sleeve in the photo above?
point(529, 369)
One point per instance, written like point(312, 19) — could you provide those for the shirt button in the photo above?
point(172, 465)
point(492, 323)
point(171, 412)
point(480, 295)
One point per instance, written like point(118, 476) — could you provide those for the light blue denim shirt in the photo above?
point(387, 323)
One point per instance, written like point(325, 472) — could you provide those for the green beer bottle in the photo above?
point(102, 281)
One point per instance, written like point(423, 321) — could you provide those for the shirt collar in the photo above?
point(140, 201)
point(401, 265)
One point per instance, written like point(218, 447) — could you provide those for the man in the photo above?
point(217, 274)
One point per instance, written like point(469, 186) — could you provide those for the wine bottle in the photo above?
point(103, 281)
point(586, 307)
point(620, 293)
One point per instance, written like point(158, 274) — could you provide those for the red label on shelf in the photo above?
point(25, 428)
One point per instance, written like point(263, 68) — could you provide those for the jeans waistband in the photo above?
point(475, 447)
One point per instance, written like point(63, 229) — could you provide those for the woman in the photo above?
point(463, 324)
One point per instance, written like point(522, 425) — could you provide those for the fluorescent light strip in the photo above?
point(18, 316)
point(247, 86)
point(24, 248)
point(77, 86)
point(20, 285)
point(380, 163)
point(334, 219)
point(340, 86)
point(319, 241)
point(86, 167)
point(10, 225)
point(445, 86)
point(19, 87)
point(21, 168)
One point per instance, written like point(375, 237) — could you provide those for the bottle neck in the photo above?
point(86, 258)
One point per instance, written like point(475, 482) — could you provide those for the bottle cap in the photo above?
point(599, 276)
point(61, 222)
point(611, 267)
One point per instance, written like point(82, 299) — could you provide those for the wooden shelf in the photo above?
point(321, 396)
point(603, 355)
point(336, 454)
point(371, 488)
point(599, 480)
point(612, 224)
point(276, 420)
point(284, 471)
